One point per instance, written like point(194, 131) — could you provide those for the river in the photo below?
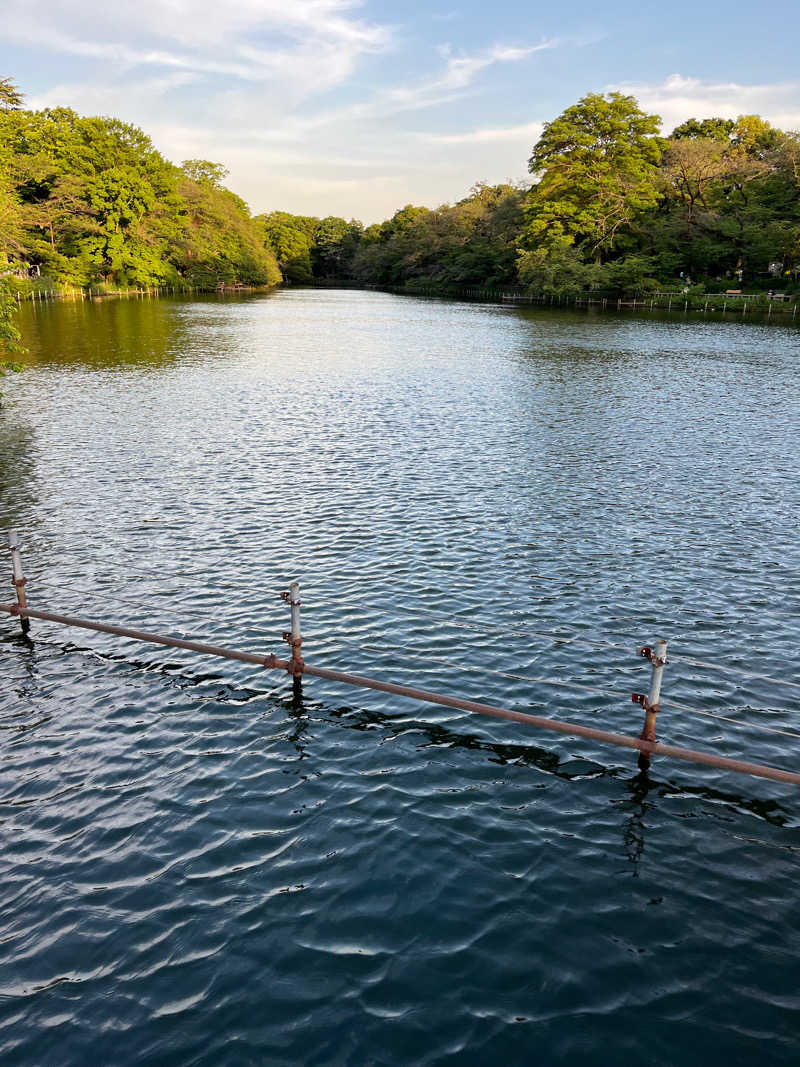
point(198, 869)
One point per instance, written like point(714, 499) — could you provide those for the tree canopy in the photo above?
point(597, 170)
point(89, 200)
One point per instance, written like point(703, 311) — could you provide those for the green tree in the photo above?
point(11, 99)
point(707, 129)
point(221, 244)
point(596, 170)
point(203, 172)
point(290, 238)
point(10, 338)
point(90, 200)
point(335, 243)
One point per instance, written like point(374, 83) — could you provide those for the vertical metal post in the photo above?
point(294, 638)
point(18, 579)
point(658, 660)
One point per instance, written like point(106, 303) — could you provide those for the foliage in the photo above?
point(204, 172)
point(90, 201)
point(469, 243)
point(219, 242)
point(612, 206)
point(10, 97)
point(713, 129)
point(10, 339)
point(597, 171)
point(617, 208)
point(307, 248)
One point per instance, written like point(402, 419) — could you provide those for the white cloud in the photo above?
point(459, 73)
point(528, 133)
point(195, 24)
point(125, 101)
point(678, 98)
point(205, 36)
point(461, 70)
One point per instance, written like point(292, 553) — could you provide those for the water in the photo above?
point(198, 870)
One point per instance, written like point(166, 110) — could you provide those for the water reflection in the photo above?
point(18, 490)
point(634, 826)
point(120, 333)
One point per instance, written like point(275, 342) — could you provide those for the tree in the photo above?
point(708, 129)
point(11, 99)
point(755, 135)
point(290, 238)
point(221, 243)
point(335, 243)
point(691, 167)
point(10, 338)
point(204, 172)
point(90, 200)
point(596, 166)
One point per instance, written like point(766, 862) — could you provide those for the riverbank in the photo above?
point(45, 289)
point(738, 304)
point(760, 306)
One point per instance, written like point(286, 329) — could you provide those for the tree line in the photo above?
point(91, 202)
point(611, 204)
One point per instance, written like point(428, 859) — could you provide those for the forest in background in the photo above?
point(611, 205)
point(90, 202)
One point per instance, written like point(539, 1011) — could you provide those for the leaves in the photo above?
point(91, 201)
point(597, 170)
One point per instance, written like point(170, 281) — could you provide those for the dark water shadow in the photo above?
point(642, 788)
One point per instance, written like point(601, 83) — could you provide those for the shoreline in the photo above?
point(741, 306)
point(729, 307)
point(39, 294)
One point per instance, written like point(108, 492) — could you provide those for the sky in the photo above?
point(358, 107)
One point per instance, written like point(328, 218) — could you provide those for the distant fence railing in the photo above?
point(742, 303)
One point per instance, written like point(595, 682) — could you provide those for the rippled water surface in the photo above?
point(197, 869)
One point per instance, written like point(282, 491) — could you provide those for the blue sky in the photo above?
point(357, 108)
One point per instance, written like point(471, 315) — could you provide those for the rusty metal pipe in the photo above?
point(144, 635)
point(648, 747)
point(658, 659)
point(18, 579)
point(426, 697)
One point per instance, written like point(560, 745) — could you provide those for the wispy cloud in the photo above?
point(286, 93)
point(206, 37)
point(678, 98)
point(528, 132)
point(460, 71)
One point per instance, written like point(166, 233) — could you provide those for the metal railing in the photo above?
point(646, 743)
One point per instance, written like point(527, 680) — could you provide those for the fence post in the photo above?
point(658, 659)
point(18, 579)
point(294, 638)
